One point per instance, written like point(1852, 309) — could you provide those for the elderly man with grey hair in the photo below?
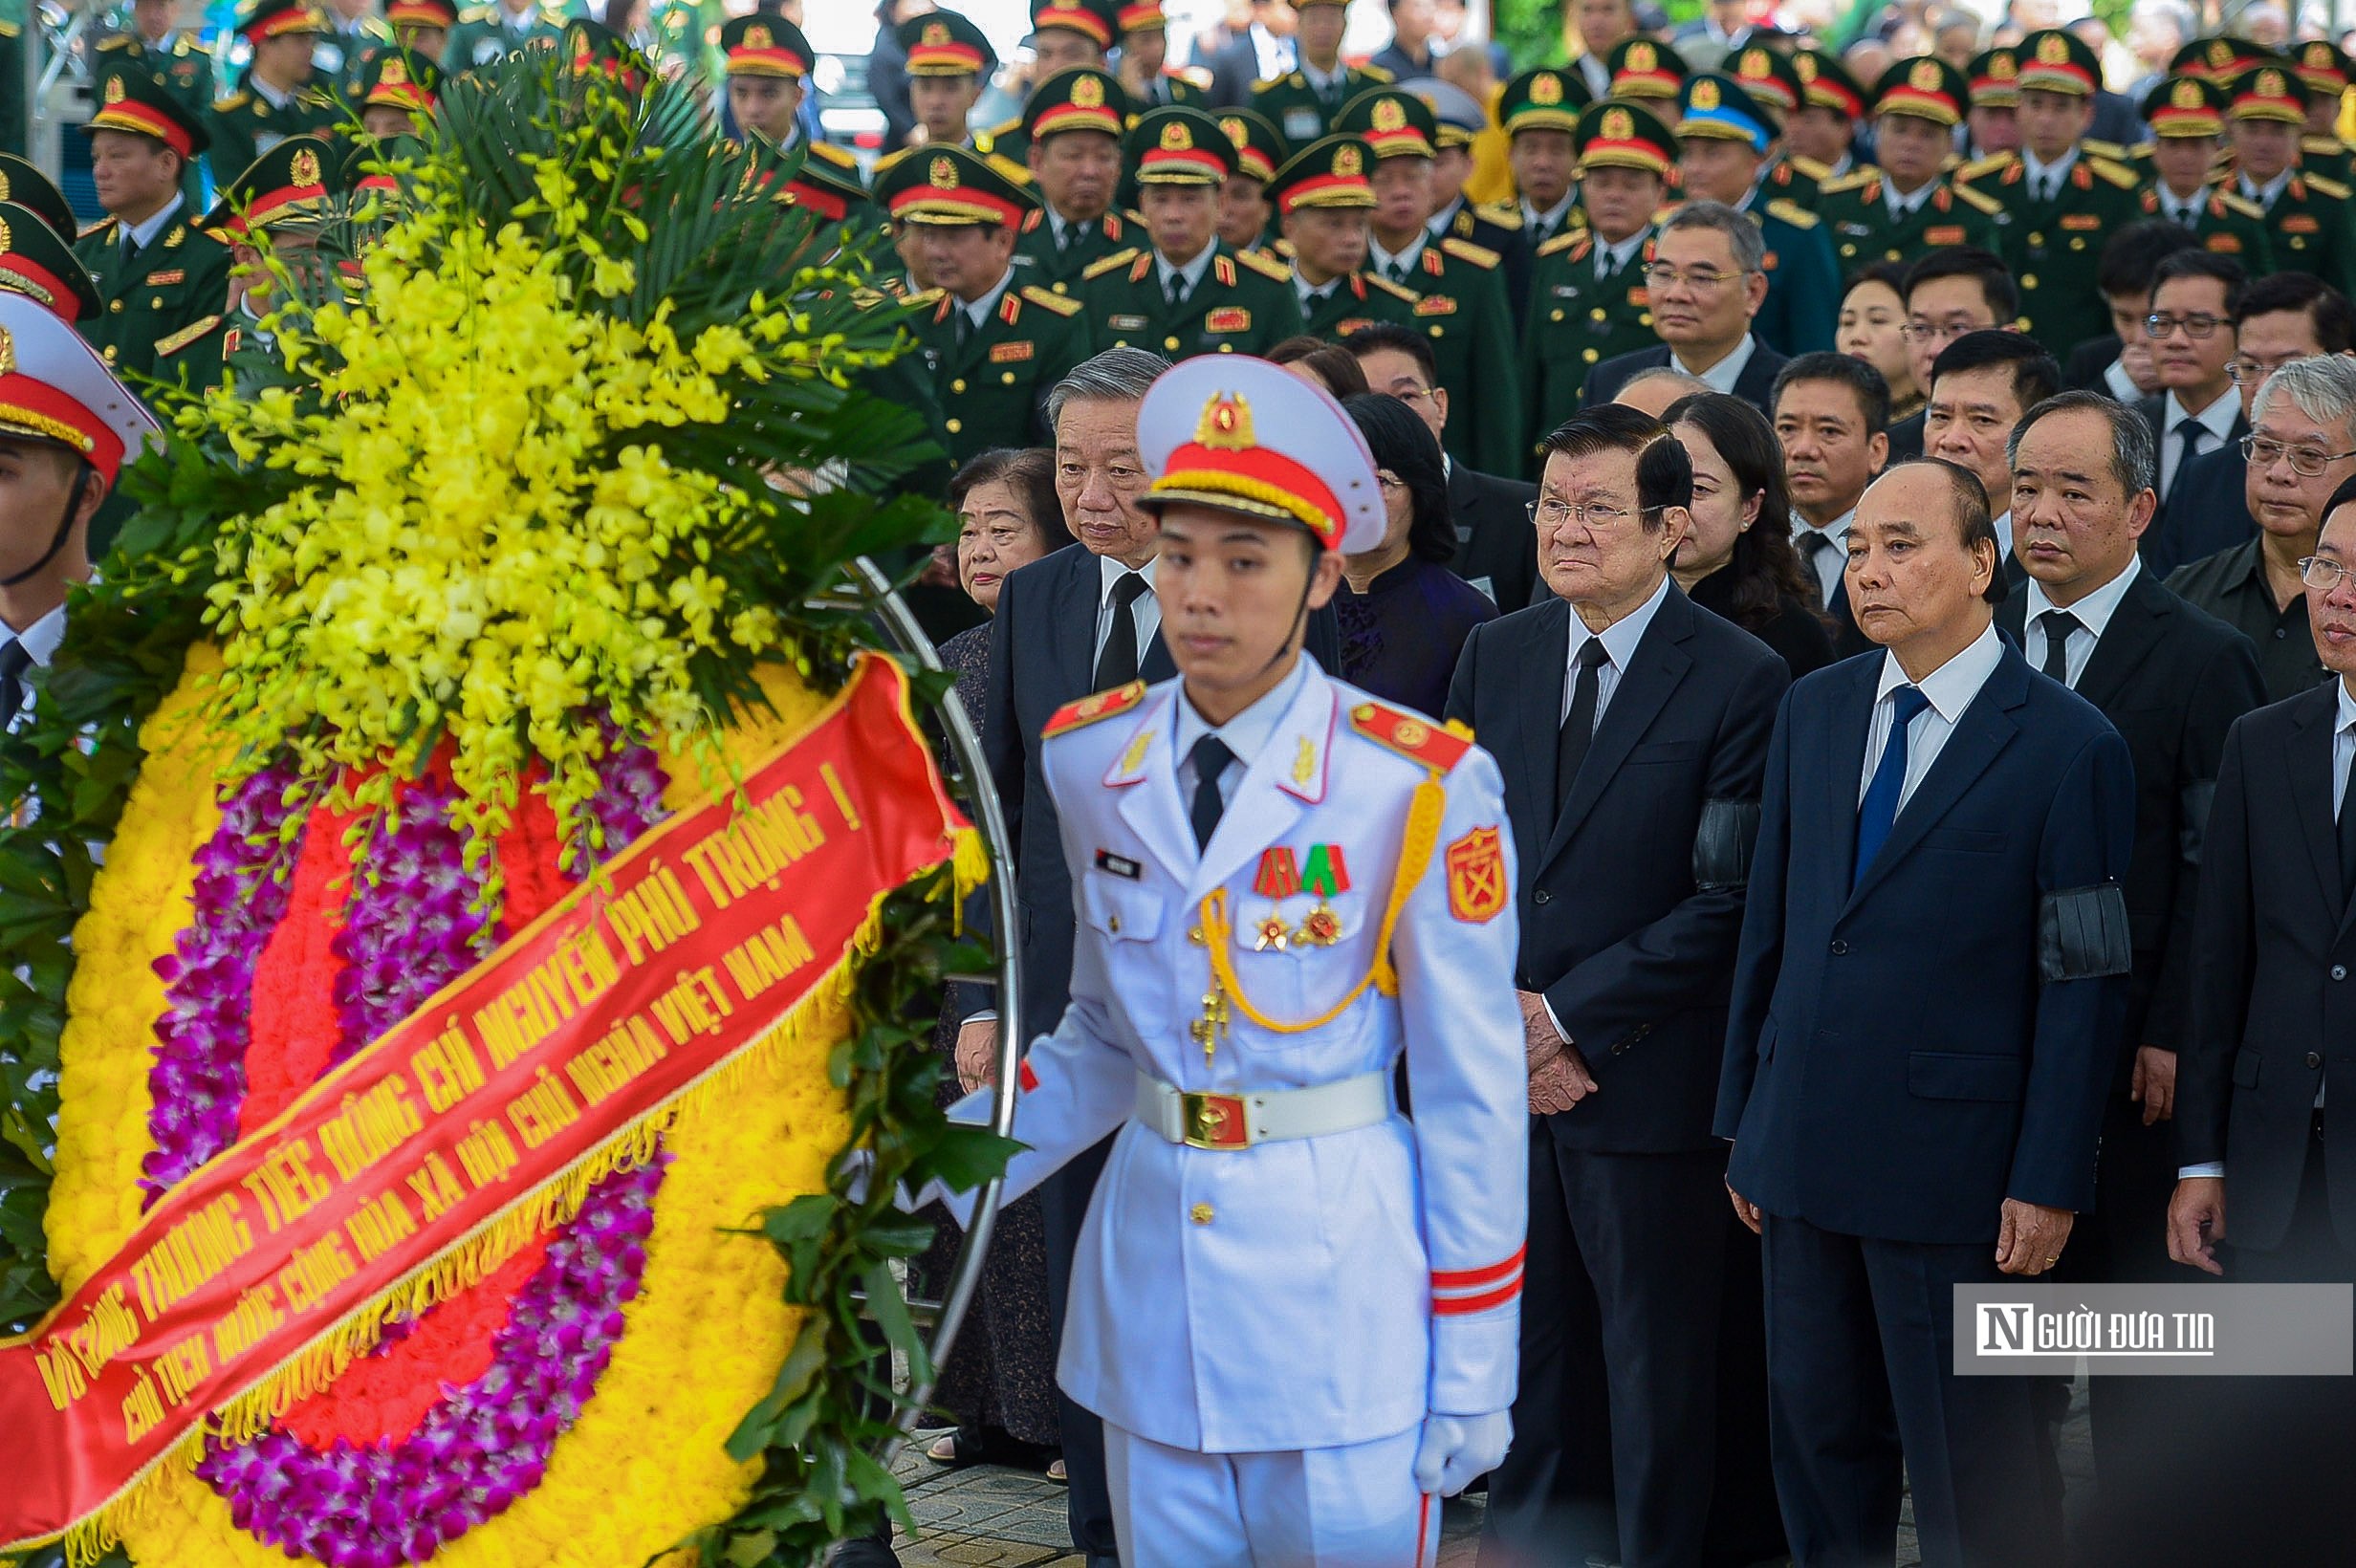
point(1079, 620)
point(1708, 280)
point(2301, 444)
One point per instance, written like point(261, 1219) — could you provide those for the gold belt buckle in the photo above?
point(1214, 1122)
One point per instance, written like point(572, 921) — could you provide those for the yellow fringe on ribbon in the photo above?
point(970, 865)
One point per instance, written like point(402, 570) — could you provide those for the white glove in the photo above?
point(1458, 1448)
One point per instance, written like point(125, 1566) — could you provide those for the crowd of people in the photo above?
point(1894, 542)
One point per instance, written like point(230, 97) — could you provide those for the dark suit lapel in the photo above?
point(2136, 627)
point(1830, 768)
point(1543, 665)
point(2308, 755)
point(1659, 664)
point(1073, 615)
point(1985, 728)
point(1759, 376)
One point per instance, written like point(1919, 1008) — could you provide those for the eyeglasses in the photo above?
point(1659, 274)
point(2323, 574)
point(2252, 372)
point(1388, 480)
point(1413, 395)
point(2305, 461)
point(1554, 511)
point(2198, 327)
point(1931, 332)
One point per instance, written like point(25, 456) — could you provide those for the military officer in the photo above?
point(2307, 216)
point(1723, 141)
point(1538, 110)
point(1323, 201)
point(1184, 292)
point(766, 60)
point(351, 34)
point(36, 263)
point(396, 92)
point(1994, 125)
point(949, 62)
point(21, 182)
point(1246, 215)
point(280, 203)
point(154, 44)
point(1460, 293)
point(994, 342)
point(1302, 104)
point(1073, 127)
point(277, 99)
point(423, 25)
point(1295, 1309)
point(1649, 72)
point(2325, 69)
point(2060, 202)
point(487, 34)
point(2186, 117)
point(1151, 81)
point(1066, 35)
point(1906, 207)
point(1774, 84)
point(1461, 119)
point(1818, 134)
point(829, 185)
point(1588, 300)
point(156, 271)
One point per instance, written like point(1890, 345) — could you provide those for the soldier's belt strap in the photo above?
point(1263, 1115)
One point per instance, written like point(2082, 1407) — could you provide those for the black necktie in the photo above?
point(1211, 758)
point(1117, 665)
point(1817, 544)
point(14, 659)
point(1578, 730)
point(2188, 431)
point(1175, 289)
point(965, 324)
point(2058, 625)
point(1540, 233)
point(1606, 267)
point(2348, 845)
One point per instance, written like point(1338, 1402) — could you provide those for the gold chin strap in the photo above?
point(1415, 845)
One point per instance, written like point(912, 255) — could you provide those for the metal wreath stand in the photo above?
point(967, 747)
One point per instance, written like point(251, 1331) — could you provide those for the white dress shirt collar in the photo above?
point(2002, 522)
point(1622, 253)
point(2217, 419)
point(1437, 225)
point(1950, 687)
point(1722, 375)
point(978, 311)
point(2264, 195)
point(144, 234)
point(1619, 639)
point(1824, 566)
point(42, 636)
point(1381, 260)
point(2039, 173)
point(1552, 218)
point(1900, 203)
point(268, 94)
point(1193, 272)
point(1246, 733)
point(2093, 614)
point(1065, 230)
point(2121, 385)
point(2343, 749)
point(1110, 571)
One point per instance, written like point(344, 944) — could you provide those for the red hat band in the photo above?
point(1306, 193)
point(948, 58)
point(1076, 18)
point(22, 273)
point(826, 203)
point(773, 61)
point(979, 206)
point(1072, 117)
point(1286, 484)
point(143, 120)
point(41, 406)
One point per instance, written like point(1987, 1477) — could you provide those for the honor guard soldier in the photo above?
point(2060, 202)
point(36, 263)
point(1153, 83)
point(21, 182)
point(277, 99)
point(767, 60)
point(1906, 207)
point(1073, 127)
point(993, 344)
point(1247, 217)
point(1588, 300)
point(1774, 84)
point(1066, 35)
point(1184, 292)
point(1459, 287)
point(1723, 141)
point(2325, 70)
point(1295, 1311)
point(175, 55)
point(1323, 201)
point(2186, 117)
point(157, 275)
point(1993, 124)
point(487, 35)
point(395, 93)
point(1539, 112)
point(2307, 216)
point(1650, 72)
point(1302, 105)
point(949, 62)
point(1818, 135)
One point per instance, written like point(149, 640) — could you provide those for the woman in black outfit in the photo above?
point(1738, 562)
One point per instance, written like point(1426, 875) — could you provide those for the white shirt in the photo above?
point(1619, 640)
point(1311, 293)
point(2122, 385)
point(1275, 54)
point(1379, 261)
point(1949, 688)
point(2181, 209)
point(1145, 610)
point(2093, 613)
point(40, 641)
point(1066, 229)
point(2058, 171)
point(979, 311)
point(1622, 255)
point(144, 234)
point(1193, 272)
point(1320, 81)
point(1551, 219)
point(1437, 225)
point(1899, 206)
point(2213, 425)
point(268, 94)
point(1597, 75)
point(1826, 565)
point(2264, 195)
point(1722, 375)
point(2002, 523)
point(1246, 734)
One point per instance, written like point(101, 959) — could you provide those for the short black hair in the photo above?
point(1864, 381)
point(1376, 337)
point(2345, 493)
point(1972, 516)
point(2036, 376)
point(1892, 274)
point(2328, 309)
point(2134, 253)
point(1399, 440)
point(2204, 264)
point(1335, 366)
point(1996, 280)
point(1664, 471)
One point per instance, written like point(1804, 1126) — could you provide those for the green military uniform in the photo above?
point(2310, 220)
point(1080, 101)
point(1236, 303)
point(2325, 70)
point(29, 187)
point(1330, 176)
point(342, 53)
point(248, 123)
point(1855, 208)
point(152, 293)
point(1644, 70)
point(1803, 281)
point(1544, 100)
point(1361, 299)
point(994, 374)
point(1589, 301)
point(1303, 110)
point(1774, 83)
point(487, 35)
point(179, 61)
point(2191, 109)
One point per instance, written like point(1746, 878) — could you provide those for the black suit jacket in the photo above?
point(1752, 386)
point(2207, 511)
point(1906, 439)
point(1043, 655)
point(1496, 539)
point(1631, 897)
point(2087, 369)
point(1234, 68)
point(1896, 1063)
point(2172, 680)
point(2274, 982)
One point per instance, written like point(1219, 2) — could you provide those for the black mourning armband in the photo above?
point(2082, 934)
point(1723, 842)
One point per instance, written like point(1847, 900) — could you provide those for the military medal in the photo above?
point(1327, 874)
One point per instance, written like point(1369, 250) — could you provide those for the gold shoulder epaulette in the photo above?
point(2329, 187)
point(1266, 265)
point(1563, 242)
point(170, 345)
point(2242, 204)
point(1399, 290)
point(1851, 181)
point(1978, 199)
point(1101, 705)
point(922, 298)
point(102, 227)
point(2111, 150)
point(1411, 736)
point(1506, 215)
point(1195, 76)
point(1019, 173)
point(120, 40)
point(228, 106)
point(2117, 173)
point(1107, 264)
point(2141, 151)
point(1809, 166)
point(1377, 74)
point(1273, 83)
point(1479, 256)
point(1791, 212)
point(1049, 300)
point(2326, 144)
point(1993, 164)
point(476, 14)
point(10, 30)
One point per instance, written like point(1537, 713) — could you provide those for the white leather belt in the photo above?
point(1206, 1121)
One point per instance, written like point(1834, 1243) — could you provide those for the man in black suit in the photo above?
point(1257, 53)
point(1831, 418)
point(2172, 681)
point(2273, 1010)
point(1949, 293)
point(1631, 727)
point(1708, 280)
point(1924, 1015)
point(2281, 317)
point(2195, 301)
point(1497, 550)
point(1981, 385)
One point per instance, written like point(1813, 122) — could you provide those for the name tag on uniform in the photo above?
point(1300, 126)
point(2301, 223)
point(1228, 319)
point(1640, 295)
point(1435, 305)
point(2081, 220)
point(1129, 323)
point(155, 280)
point(1006, 354)
point(2225, 245)
point(1567, 290)
point(1945, 234)
point(264, 141)
point(1118, 865)
point(1343, 329)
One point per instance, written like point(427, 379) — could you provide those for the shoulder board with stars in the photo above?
point(2242, 204)
point(1792, 213)
point(1101, 705)
point(476, 14)
point(2332, 188)
point(2117, 173)
point(1112, 264)
point(924, 297)
point(1479, 256)
point(104, 226)
point(1980, 167)
point(1978, 198)
point(1048, 299)
point(1267, 267)
point(1565, 242)
point(2319, 144)
point(1397, 290)
point(1851, 181)
point(165, 347)
point(1379, 76)
point(1411, 735)
point(1274, 82)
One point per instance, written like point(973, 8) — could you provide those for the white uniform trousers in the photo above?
point(1355, 1506)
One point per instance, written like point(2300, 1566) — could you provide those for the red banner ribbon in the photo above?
point(702, 938)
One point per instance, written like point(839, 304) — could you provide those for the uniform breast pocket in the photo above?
point(1120, 910)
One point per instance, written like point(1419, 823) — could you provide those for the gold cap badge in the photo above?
point(1641, 57)
point(1925, 77)
point(305, 169)
point(1176, 137)
point(757, 36)
point(1389, 115)
point(2052, 50)
point(113, 89)
point(1226, 424)
point(1618, 125)
point(945, 174)
point(2185, 96)
point(1705, 95)
point(1087, 93)
point(1348, 164)
point(1545, 91)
